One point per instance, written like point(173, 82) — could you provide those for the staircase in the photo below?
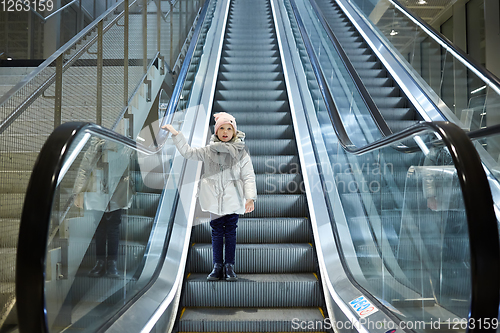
point(275, 260)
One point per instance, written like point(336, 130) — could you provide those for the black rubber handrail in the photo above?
point(478, 201)
point(365, 95)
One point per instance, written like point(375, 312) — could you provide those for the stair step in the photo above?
point(260, 230)
point(250, 320)
point(253, 290)
point(258, 258)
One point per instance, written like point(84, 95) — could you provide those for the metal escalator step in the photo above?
point(8, 301)
point(256, 118)
point(143, 179)
point(274, 147)
point(374, 73)
point(378, 82)
point(276, 164)
point(256, 40)
point(11, 205)
point(398, 114)
point(239, 47)
point(250, 54)
point(362, 58)
point(260, 230)
point(363, 66)
point(14, 181)
point(250, 106)
point(266, 131)
point(248, 95)
point(250, 319)
point(253, 290)
point(250, 85)
point(10, 232)
point(241, 60)
point(399, 125)
point(7, 270)
point(145, 204)
point(245, 32)
point(251, 76)
point(280, 205)
point(389, 102)
point(279, 184)
point(136, 228)
point(383, 91)
point(130, 254)
point(249, 68)
point(258, 258)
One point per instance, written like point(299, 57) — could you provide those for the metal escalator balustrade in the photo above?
point(273, 251)
point(404, 219)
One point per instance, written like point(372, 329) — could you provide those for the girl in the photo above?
point(227, 187)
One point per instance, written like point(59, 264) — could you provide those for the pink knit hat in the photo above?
point(222, 118)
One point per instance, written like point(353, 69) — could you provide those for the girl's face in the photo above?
point(225, 133)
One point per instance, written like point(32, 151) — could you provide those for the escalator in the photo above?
point(274, 251)
point(394, 106)
point(315, 250)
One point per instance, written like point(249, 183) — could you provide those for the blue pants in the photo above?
point(224, 227)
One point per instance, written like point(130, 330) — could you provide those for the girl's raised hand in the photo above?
point(170, 128)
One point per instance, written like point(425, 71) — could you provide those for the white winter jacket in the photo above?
point(228, 180)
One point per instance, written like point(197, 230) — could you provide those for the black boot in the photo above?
point(217, 273)
point(229, 273)
point(112, 270)
point(98, 270)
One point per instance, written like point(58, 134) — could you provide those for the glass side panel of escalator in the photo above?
point(98, 254)
point(452, 85)
point(403, 227)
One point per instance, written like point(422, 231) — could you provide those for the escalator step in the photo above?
point(260, 230)
point(250, 106)
point(258, 258)
point(280, 205)
point(250, 320)
point(254, 290)
point(276, 164)
point(254, 118)
point(274, 147)
point(245, 95)
point(250, 85)
point(273, 132)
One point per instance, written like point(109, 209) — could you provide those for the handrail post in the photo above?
point(182, 23)
point(158, 25)
point(58, 91)
point(100, 27)
point(171, 64)
point(145, 36)
point(125, 54)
